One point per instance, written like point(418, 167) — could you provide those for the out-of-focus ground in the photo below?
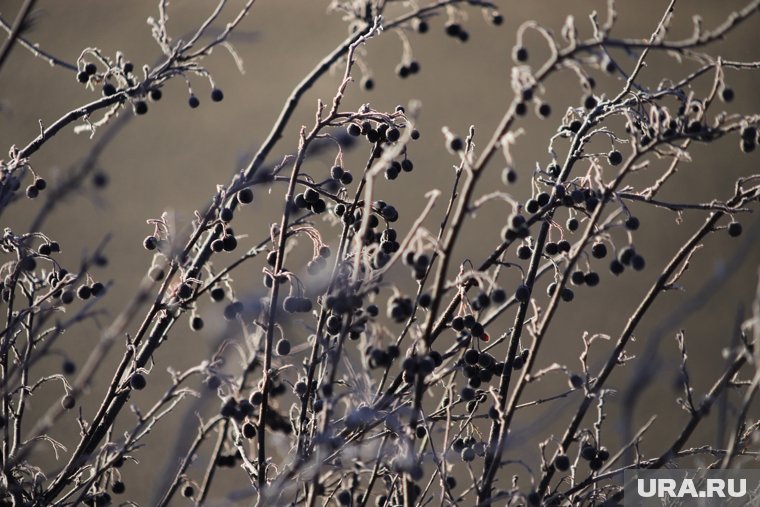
point(172, 159)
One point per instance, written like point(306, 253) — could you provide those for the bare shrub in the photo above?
point(387, 369)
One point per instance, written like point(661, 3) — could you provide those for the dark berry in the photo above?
point(626, 255)
point(311, 196)
point(283, 347)
point(100, 179)
point(575, 126)
point(599, 250)
point(453, 29)
point(68, 402)
point(249, 430)
point(609, 65)
point(522, 293)
point(225, 215)
point(245, 196)
point(97, 289)
point(229, 243)
point(28, 263)
point(354, 130)
point(256, 398)
point(185, 291)
point(390, 213)
point(140, 107)
point(84, 292)
point(217, 294)
point(471, 356)
point(498, 296)
point(196, 323)
point(193, 101)
point(749, 133)
point(456, 144)
point(520, 54)
point(562, 462)
point(290, 304)
point(344, 497)
point(232, 310)
point(137, 381)
point(518, 362)
point(543, 109)
point(69, 367)
point(67, 296)
point(509, 175)
point(217, 95)
point(588, 452)
point(734, 229)
point(150, 243)
point(575, 381)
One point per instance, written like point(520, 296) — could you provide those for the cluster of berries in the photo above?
point(33, 190)
point(422, 365)
point(310, 200)
point(468, 448)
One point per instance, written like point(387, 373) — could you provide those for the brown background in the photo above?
point(171, 160)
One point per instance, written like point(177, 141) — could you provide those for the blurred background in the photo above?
point(171, 160)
